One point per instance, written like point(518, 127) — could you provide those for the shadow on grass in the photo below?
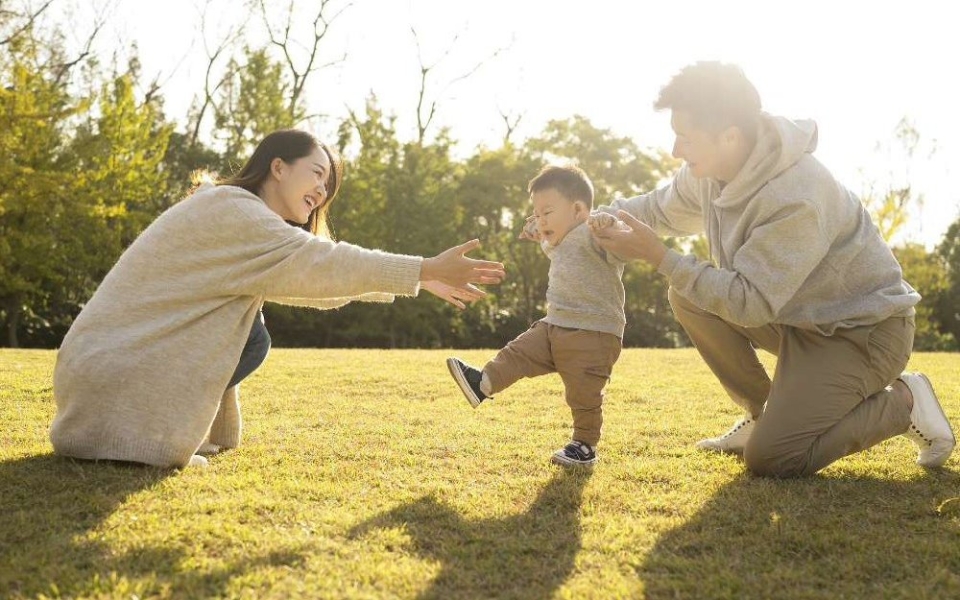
point(528, 555)
point(813, 538)
point(52, 508)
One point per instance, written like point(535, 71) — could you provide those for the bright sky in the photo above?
point(856, 67)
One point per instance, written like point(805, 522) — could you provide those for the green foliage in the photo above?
point(416, 199)
point(928, 274)
point(37, 210)
point(616, 165)
point(88, 170)
point(890, 205)
point(365, 474)
point(947, 307)
point(253, 102)
point(75, 190)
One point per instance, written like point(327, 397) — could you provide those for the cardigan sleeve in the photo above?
point(331, 303)
point(260, 254)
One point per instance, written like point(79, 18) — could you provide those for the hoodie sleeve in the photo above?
point(776, 259)
point(674, 209)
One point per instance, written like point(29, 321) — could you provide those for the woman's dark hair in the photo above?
point(289, 145)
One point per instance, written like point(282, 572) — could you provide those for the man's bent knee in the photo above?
point(766, 461)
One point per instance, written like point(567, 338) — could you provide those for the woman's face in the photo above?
point(300, 186)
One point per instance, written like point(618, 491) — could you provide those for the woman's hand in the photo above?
point(635, 240)
point(452, 268)
point(454, 295)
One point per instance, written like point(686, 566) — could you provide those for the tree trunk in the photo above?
point(14, 310)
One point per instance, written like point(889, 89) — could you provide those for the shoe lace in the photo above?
point(737, 427)
point(579, 448)
point(919, 434)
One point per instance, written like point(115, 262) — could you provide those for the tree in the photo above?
point(927, 273)
point(252, 103)
point(398, 197)
point(34, 111)
point(428, 103)
point(947, 305)
point(890, 205)
point(492, 202)
point(300, 65)
point(73, 190)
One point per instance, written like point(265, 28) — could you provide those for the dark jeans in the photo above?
point(254, 353)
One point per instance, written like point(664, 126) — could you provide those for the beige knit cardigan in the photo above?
point(142, 374)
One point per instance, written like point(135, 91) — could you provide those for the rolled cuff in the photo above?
point(669, 263)
point(400, 274)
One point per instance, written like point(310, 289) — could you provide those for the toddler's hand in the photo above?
point(601, 220)
point(530, 230)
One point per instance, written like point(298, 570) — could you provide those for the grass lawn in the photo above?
point(365, 474)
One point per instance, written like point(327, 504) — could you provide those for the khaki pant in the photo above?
point(584, 360)
point(828, 397)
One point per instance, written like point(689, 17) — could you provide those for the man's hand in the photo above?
point(634, 241)
point(454, 295)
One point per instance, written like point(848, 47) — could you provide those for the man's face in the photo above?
point(701, 150)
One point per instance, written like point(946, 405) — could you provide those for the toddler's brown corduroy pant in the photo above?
point(582, 358)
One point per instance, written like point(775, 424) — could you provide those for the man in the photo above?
point(798, 269)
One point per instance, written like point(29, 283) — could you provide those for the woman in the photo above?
point(149, 370)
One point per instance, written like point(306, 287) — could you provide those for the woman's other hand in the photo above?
point(454, 295)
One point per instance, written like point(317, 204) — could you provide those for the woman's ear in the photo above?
point(277, 167)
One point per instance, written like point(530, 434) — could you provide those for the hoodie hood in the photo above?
point(781, 143)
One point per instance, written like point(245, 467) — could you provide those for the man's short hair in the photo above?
point(569, 180)
point(716, 95)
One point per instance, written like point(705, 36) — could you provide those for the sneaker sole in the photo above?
point(563, 461)
point(710, 446)
point(457, 375)
point(944, 453)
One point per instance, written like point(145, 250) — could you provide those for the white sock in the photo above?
point(485, 385)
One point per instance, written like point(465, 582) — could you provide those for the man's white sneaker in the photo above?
point(929, 428)
point(732, 441)
point(208, 449)
point(198, 461)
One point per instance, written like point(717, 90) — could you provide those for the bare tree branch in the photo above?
point(424, 120)
point(285, 41)
point(510, 122)
point(210, 88)
point(100, 20)
point(157, 83)
point(31, 18)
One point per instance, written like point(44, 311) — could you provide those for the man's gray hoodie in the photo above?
point(790, 244)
